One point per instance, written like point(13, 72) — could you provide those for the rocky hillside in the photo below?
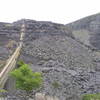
point(9, 37)
point(58, 51)
point(50, 48)
point(87, 30)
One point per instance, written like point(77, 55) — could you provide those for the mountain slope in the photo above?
point(87, 30)
point(9, 37)
point(52, 49)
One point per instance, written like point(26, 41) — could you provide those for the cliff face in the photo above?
point(56, 51)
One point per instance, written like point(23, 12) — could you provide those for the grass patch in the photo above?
point(91, 97)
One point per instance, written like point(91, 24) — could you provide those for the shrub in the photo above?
point(26, 79)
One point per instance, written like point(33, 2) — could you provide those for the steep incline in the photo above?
point(11, 62)
point(9, 39)
point(50, 49)
point(87, 30)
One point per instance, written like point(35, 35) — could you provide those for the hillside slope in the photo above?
point(9, 37)
point(87, 30)
point(51, 49)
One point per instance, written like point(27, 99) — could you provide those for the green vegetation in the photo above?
point(55, 86)
point(2, 91)
point(91, 97)
point(20, 63)
point(26, 79)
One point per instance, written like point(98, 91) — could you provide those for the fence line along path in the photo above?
point(11, 62)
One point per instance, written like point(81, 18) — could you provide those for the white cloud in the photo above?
point(61, 11)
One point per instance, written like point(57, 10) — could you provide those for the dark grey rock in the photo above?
point(60, 58)
point(55, 51)
point(87, 30)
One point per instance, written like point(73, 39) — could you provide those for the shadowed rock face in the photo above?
point(87, 30)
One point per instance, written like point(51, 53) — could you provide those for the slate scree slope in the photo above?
point(67, 54)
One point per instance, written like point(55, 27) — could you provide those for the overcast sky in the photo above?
point(61, 11)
